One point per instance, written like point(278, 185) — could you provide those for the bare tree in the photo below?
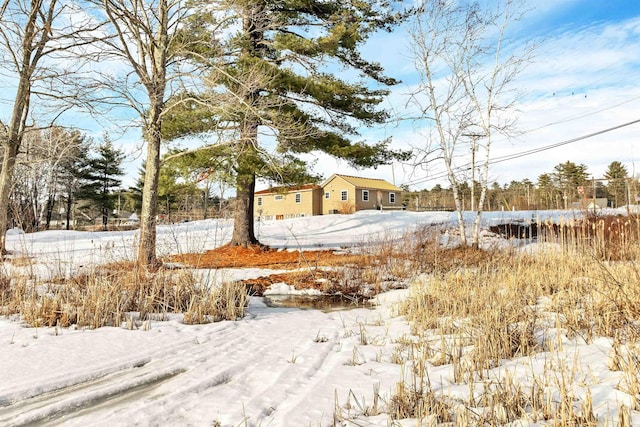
point(37, 39)
point(39, 172)
point(466, 88)
point(144, 38)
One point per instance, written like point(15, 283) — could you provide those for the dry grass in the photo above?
point(487, 308)
point(471, 310)
point(119, 295)
point(605, 238)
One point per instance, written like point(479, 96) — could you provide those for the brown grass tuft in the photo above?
point(114, 296)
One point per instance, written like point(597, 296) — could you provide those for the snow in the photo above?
point(274, 367)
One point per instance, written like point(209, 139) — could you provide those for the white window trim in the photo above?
point(259, 201)
point(392, 196)
point(327, 195)
point(344, 195)
point(278, 197)
point(298, 198)
point(365, 193)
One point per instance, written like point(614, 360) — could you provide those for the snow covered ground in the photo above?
point(275, 367)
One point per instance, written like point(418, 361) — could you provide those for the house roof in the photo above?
point(370, 183)
point(287, 189)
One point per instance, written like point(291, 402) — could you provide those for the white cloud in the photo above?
point(581, 81)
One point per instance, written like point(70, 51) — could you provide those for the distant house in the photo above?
point(338, 194)
point(290, 202)
point(590, 204)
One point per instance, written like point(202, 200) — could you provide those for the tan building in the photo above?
point(338, 194)
point(292, 202)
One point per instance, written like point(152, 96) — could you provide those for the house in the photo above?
point(591, 204)
point(291, 202)
point(337, 194)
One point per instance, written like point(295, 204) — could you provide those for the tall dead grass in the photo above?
point(117, 295)
point(477, 310)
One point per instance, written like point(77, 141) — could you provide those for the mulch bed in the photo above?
point(308, 276)
point(263, 257)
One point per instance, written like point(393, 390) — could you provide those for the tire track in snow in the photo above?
point(101, 387)
point(242, 362)
point(50, 406)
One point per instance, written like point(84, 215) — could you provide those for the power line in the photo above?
point(528, 152)
point(581, 116)
point(560, 144)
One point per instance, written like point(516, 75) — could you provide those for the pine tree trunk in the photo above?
point(243, 227)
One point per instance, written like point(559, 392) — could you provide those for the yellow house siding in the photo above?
point(278, 205)
point(361, 203)
point(335, 203)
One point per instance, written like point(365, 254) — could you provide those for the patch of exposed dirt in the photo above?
point(323, 281)
point(263, 257)
point(314, 267)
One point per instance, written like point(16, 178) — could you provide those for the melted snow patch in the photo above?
point(282, 288)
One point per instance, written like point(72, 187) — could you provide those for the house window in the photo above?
point(278, 197)
point(365, 195)
point(298, 197)
point(327, 195)
point(392, 197)
point(344, 195)
point(259, 201)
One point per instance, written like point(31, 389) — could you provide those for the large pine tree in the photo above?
point(282, 71)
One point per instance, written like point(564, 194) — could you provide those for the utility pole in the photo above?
point(594, 195)
point(626, 181)
point(474, 147)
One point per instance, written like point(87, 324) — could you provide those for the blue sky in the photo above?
point(575, 13)
point(585, 77)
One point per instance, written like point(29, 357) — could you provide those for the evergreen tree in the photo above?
point(277, 73)
point(568, 177)
point(73, 173)
point(617, 175)
point(548, 191)
point(206, 169)
point(102, 176)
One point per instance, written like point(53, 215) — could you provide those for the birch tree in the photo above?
point(40, 171)
point(38, 39)
point(466, 90)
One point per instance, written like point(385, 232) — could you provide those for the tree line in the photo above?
point(64, 177)
point(569, 185)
